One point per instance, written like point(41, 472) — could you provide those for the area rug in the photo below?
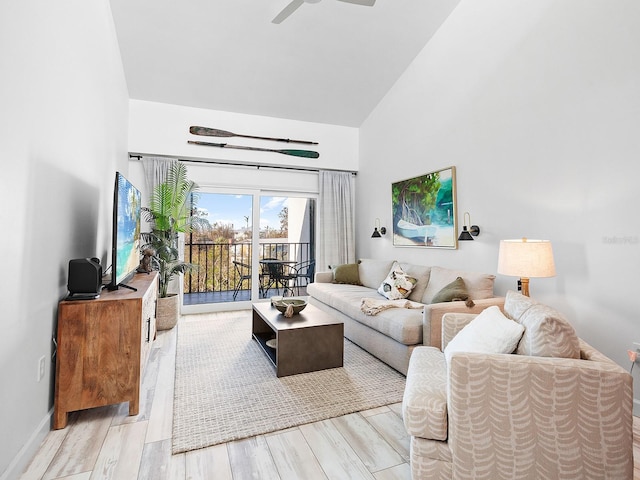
point(226, 388)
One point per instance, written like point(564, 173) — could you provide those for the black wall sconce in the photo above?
point(474, 230)
point(378, 231)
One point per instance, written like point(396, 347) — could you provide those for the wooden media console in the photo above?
point(103, 347)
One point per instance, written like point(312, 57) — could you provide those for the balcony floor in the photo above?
point(227, 296)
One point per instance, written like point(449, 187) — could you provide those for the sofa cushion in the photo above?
point(455, 291)
point(489, 332)
point(373, 272)
point(424, 405)
point(340, 295)
point(421, 273)
point(346, 273)
point(404, 325)
point(397, 285)
point(479, 285)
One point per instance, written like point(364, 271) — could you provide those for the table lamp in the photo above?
point(526, 258)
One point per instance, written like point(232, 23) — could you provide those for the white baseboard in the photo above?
point(29, 449)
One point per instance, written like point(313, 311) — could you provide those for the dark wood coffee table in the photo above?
point(309, 341)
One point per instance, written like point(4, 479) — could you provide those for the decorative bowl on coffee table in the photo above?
point(297, 304)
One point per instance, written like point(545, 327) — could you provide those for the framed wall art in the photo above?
point(424, 210)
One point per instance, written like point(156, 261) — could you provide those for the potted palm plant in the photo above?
point(170, 212)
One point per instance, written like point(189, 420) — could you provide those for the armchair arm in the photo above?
point(452, 323)
point(432, 320)
point(532, 417)
point(323, 277)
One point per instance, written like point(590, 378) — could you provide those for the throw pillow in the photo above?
point(515, 304)
point(455, 291)
point(420, 273)
point(346, 273)
point(547, 334)
point(479, 285)
point(489, 332)
point(397, 285)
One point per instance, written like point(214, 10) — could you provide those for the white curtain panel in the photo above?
point(155, 170)
point(336, 232)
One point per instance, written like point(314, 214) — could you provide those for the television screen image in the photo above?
point(126, 231)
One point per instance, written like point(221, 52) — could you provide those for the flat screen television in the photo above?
point(125, 254)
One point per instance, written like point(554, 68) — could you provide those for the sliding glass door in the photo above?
point(259, 244)
point(222, 253)
point(286, 245)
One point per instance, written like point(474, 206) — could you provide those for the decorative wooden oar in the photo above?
point(214, 132)
point(295, 153)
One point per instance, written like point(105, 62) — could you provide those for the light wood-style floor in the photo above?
point(105, 443)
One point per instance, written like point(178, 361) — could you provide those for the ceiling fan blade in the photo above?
point(366, 3)
point(288, 10)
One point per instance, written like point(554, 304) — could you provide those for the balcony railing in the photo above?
point(216, 274)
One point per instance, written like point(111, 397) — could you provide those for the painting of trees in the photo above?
point(414, 199)
point(423, 210)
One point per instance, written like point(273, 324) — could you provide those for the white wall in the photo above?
point(63, 134)
point(163, 129)
point(537, 104)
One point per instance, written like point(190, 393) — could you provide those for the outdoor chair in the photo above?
point(265, 279)
point(244, 274)
point(304, 272)
point(278, 274)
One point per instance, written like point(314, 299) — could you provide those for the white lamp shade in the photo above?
point(526, 258)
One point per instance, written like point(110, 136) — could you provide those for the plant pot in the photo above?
point(167, 312)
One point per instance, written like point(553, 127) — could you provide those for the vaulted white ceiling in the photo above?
point(329, 62)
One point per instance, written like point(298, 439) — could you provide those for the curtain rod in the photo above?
point(250, 165)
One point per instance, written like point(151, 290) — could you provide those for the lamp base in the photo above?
point(523, 283)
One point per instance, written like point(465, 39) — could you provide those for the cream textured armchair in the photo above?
point(511, 416)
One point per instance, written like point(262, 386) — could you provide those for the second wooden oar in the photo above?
point(214, 132)
point(295, 153)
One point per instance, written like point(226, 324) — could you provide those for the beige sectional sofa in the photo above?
point(554, 409)
point(392, 334)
